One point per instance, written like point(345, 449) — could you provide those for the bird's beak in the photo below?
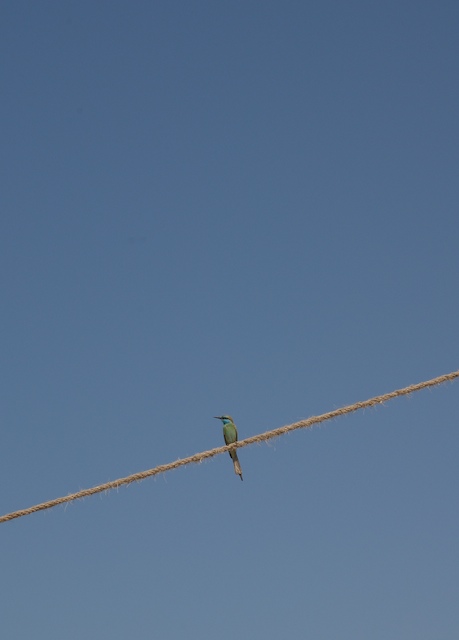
point(218, 417)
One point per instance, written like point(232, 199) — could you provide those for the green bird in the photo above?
point(230, 435)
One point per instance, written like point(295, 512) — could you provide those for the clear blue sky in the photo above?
point(229, 207)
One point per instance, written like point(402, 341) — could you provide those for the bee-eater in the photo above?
point(230, 435)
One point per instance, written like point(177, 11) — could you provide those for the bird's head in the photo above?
point(224, 419)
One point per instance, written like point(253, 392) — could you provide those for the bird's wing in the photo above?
point(230, 433)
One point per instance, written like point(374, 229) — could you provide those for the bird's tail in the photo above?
point(237, 466)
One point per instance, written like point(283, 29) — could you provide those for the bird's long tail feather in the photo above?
point(237, 466)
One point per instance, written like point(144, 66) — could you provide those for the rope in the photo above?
point(199, 457)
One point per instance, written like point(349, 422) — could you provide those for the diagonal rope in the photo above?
point(199, 457)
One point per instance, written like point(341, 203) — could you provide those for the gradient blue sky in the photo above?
point(229, 207)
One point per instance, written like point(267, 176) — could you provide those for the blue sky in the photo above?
point(229, 207)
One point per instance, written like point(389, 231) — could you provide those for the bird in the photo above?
point(230, 435)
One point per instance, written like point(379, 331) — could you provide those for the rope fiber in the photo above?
point(199, 457)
